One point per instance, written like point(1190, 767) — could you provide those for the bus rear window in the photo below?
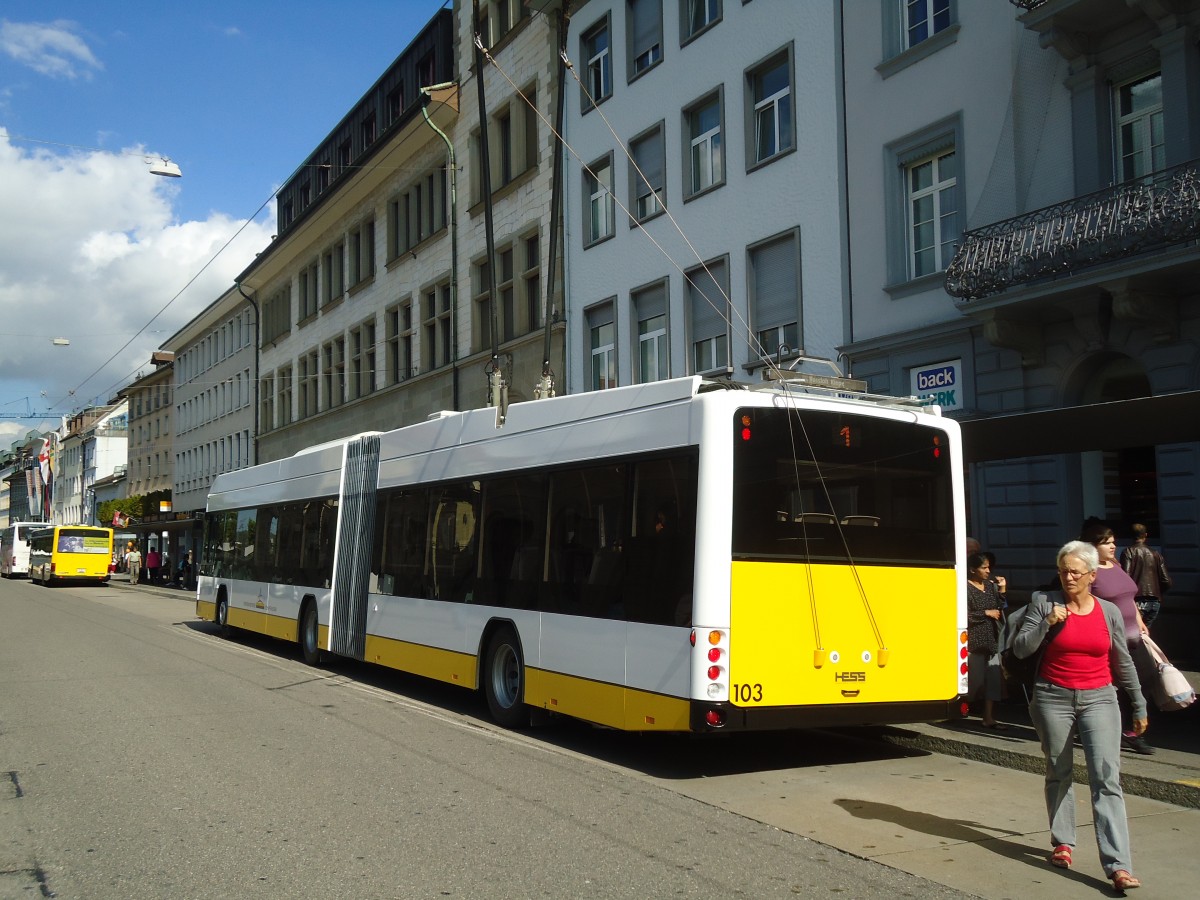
point(837, 487)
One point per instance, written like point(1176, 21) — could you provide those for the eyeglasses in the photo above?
point(1071, 573)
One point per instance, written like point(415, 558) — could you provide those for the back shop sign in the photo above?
point(940, 382)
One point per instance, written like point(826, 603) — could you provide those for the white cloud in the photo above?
point(52, 48)
point(90, 251)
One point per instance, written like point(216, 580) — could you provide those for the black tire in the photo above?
point(504, 680)
point(310, 649)
point(223, 615)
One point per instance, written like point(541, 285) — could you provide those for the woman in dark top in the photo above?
point(983, 637)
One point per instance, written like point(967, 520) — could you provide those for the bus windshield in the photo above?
point(838, 487)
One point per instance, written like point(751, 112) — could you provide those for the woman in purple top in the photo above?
point(1114, 585)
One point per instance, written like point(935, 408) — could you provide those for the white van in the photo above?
point(14, 549)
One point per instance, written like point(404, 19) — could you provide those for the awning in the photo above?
point(1141, 422)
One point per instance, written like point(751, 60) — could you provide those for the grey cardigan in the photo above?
point(1034, 628)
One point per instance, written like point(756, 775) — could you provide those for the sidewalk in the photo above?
point(1171, 775)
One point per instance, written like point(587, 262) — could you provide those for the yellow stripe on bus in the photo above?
point(774, 647)
point(605, 704)
point(430, 662)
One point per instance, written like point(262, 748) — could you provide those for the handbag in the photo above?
point(1170, 689)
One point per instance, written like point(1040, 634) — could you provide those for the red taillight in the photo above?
point(714, 654)
point(963, 652)
point(692, 637)
point(715, 718)
point(962, 670)
point(714, 672)
point(964, 708)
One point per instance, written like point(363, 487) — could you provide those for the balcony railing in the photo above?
point(1150, 213)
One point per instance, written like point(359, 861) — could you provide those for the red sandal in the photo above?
point(1062, 857)
point(1123, 881)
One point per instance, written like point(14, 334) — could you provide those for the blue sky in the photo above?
point(92, 247)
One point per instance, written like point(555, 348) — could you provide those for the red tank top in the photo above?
point(1077, 657)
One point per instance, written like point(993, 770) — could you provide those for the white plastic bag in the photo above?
point(1170, 690)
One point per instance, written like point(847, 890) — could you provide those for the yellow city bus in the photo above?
point(61, 553)
point(682, 555)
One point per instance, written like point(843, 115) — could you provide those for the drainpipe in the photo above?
point(453, 172)
point(257, 345)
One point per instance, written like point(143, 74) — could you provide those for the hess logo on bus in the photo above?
point(849, 676)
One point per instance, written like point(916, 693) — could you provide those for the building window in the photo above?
point(362, 253)
point(284, 404)
point(1139, 115)
point(774, 295)
point(922, 19)
point(277, 317)
point(708, 303)
point(602, 342)
point(309, 300)
point(512, 143)
point(598, 200)
point(362, 360)
point(267, 410)
point(399, 343)
point(308, 385)
point(696, 16)
point(435, 310)
point(653, 352)
point(532, 279)
point(596, 50)
point(915, 29)
point(771, 124)
point(506, 293)
point(334, 273)
point(647, 173)
point(644, 35)
point(932, 213)
point(923, 204)
point(704, 165)
point(482, 273)
point(417, 213)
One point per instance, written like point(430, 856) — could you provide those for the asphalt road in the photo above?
point(141, 755)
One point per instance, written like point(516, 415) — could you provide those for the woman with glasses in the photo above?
point(1081, 638)
point(1114, 585)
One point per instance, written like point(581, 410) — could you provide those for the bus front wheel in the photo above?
point(504, 679)
point(223, 616)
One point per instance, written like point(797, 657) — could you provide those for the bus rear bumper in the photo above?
point(780, 718)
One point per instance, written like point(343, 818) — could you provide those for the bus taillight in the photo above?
point(715, 718)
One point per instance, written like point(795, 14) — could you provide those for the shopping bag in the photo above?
point(1169, 688)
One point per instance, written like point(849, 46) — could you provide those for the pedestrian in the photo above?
point(1113, 585)
point(153, 561)
point(133, 562)
point(983, 638)
point(1074, 697)
point(1148, 569)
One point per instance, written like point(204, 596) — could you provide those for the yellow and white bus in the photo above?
point(59, 553)
point(681, 555)
point(14, 548)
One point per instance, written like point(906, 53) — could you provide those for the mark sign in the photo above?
point(939, 382)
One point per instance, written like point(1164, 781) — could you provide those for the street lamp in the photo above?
point(159, 165)
point(164, 167)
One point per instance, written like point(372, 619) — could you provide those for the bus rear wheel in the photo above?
point(504, 679)
point(309, 647)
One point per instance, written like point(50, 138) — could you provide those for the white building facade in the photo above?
point(1023, 222)
point(705, 214)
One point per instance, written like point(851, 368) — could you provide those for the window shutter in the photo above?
point(776, 283)
point(649, 158)
point(651, 302)
point(647, 17)
point(710, 309)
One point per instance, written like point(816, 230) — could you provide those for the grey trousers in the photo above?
point(1059, 713)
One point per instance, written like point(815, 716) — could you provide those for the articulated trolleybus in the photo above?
point(678, 556)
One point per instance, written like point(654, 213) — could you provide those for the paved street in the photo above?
point(143, 756)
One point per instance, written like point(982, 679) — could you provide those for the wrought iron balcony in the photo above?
point(1156, 211)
